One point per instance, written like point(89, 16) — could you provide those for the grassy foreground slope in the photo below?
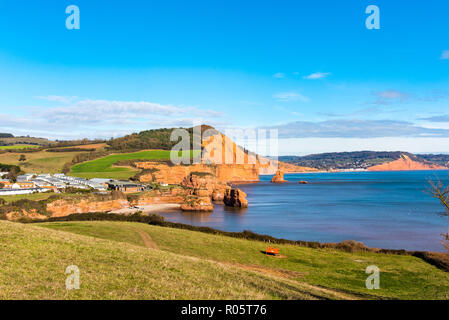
point(342, 273)
point(34, 259)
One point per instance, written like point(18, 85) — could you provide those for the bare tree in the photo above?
point(441, 192)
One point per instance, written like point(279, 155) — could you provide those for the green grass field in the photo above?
point(104, 167)
point(35, 196)
point(19, 146)
point(338, 273)
point(34, 260)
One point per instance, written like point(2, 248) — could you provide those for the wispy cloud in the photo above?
point(279, 75)
point(290, 96)
point(442, 118)
point(60, 99)
point(445, 55)
point(390, 96)
point(356, 129)
point(317, 75)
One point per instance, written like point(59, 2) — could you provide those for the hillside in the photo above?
point(364, 160)
point(9, 140)
point(34, 260)
point(115, 262)
point(147, 140)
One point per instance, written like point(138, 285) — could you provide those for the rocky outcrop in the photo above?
point(404, 163)
point(202, 188)
point(172, 196)
point(235, 198)
point(278, 177)
point(197, 203)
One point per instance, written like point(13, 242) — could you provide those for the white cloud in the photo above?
point(445, 55)
point(317, 75)
point(98, 118)
point(290, 96)
point(101, 111)
point(279, 75)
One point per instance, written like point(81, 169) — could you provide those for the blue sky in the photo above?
point(310, 69)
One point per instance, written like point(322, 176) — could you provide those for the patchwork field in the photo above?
point(39, 162)
point(337, 274)
point(19, 147)
point(27, 140)
point(104, 167)
point(44, 161)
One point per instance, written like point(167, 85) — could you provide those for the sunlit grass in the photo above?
point(403, 277)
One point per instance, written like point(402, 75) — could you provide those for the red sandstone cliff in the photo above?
point(221, 157)
point(405, 164)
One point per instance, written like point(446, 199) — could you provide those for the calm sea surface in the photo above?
point(381, 209)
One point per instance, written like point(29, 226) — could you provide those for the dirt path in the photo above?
point(149, 243)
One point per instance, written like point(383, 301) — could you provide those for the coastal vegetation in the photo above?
point(150, 139)
point(441, 192)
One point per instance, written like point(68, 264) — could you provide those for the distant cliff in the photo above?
point(363, 160)
point(404, 163)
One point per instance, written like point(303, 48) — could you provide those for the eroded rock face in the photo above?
point(278, 177)
point(163, 173)
point(21, 214)
point(235, 198)
point(62, 208)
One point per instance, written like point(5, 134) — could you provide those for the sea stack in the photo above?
point(235, 198)
point(278, 177)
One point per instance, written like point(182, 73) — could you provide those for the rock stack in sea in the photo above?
point(278, 177)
